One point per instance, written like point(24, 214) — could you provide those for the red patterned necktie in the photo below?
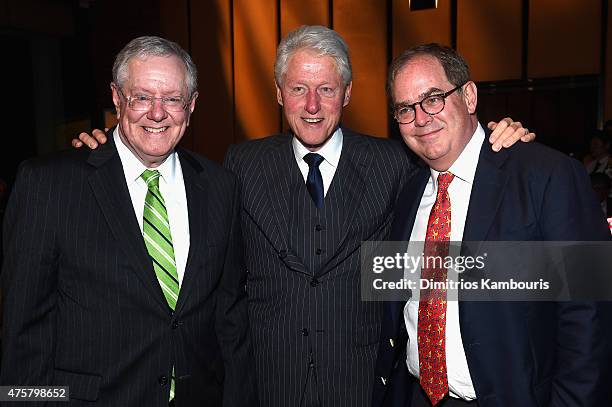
point(431, 329)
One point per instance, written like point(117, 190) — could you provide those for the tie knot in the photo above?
point(313, 159)
point(151, 177)
point(444, 180)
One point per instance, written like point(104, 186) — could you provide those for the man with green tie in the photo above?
point(123, 276)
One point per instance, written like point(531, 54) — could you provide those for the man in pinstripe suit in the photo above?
point(315, 342)
point(84, 305)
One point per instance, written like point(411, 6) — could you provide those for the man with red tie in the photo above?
point(454, 353)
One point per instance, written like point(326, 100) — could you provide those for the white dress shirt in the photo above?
point(172, 188)
point(459, 380)
point(330, 152)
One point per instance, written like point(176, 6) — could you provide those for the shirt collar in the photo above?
point(133, 168)
point(330, 151)
point(465, 165)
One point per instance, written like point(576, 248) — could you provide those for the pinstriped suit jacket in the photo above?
point(82, 305)
point(303, 271)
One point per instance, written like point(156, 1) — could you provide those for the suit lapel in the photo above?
point(408, 203)
point(487, 193)
point(406, 209)
point(350, 178)
point(485, 199)
point(280, 172)
point(347, 187)
point(110, 190)
point(197, 207)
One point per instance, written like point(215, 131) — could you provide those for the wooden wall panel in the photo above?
point(564, 37)
point(490, 39)
point(412, 28)
point(234, 44)
point(365, 30)
point(255, 40)
point(295, 13)
point(211, 48)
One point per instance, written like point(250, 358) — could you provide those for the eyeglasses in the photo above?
point(144, 103)
point(434, 104)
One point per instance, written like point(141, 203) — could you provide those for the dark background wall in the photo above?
point(545, 62)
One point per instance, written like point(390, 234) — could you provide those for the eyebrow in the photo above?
point(142, 91)
point(428, 92)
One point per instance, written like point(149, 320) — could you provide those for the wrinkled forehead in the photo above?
point(307, 59)
point(166, 71)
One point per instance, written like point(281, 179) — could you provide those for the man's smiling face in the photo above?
point(438, 139)
point(313, 95)
point(153, 134)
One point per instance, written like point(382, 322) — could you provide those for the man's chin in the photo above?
point(312, 141)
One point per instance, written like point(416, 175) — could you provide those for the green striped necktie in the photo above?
point(158, 239)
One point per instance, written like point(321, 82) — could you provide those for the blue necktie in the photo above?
point(314, 181)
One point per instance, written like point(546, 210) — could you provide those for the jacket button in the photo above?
point(305, 332)
point(318, 251)
point(318, 228)
point(163, 380)
point(314, 282)
point(175, 324)
point(282, 254)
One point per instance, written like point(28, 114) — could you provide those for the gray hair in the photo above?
point(318, 39)
point(147, 46)
point(456, 69)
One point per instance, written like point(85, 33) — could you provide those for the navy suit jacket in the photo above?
point(518, 353)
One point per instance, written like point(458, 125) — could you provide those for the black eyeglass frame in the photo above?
point(420, 103)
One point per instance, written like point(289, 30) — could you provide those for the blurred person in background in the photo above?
point(598, 159)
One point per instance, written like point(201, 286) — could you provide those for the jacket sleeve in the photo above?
point(232, 320)
point(570, 213)
point(29, 281)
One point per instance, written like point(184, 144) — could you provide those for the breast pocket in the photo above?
point(80, 386)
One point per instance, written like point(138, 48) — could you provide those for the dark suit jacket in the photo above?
point(303, 283)
point(519, 353)
point(83, 307)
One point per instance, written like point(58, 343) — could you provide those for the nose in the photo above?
point(420, 117)
point(313, 102)
point(157, 111)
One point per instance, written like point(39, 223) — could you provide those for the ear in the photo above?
point(470, 96)
point(347, 94)
point(279, 94)
point(116, 99)
point(192, 106)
